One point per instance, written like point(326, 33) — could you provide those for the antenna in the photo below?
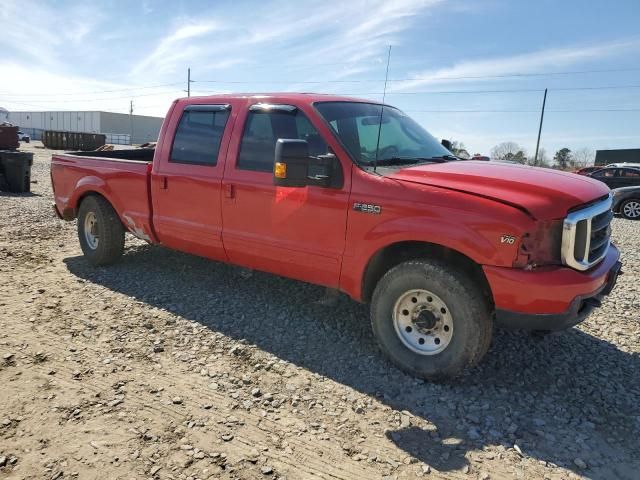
point(384, 94)
point(544, 101)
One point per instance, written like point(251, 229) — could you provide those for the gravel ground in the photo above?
point(170, 366)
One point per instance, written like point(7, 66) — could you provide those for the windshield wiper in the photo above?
point(413, 160)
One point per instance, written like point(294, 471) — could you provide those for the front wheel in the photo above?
point(100, 231)
point(631, 209)
point(431, 320)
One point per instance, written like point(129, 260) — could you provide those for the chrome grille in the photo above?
point(586, 235)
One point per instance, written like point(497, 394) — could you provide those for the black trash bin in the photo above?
point(16, 169)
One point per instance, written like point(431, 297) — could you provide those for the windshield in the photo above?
point(402, 140)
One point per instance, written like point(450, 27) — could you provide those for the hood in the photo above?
point(544, 193)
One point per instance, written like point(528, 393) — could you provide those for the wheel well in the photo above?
point(397, 253)
point(84, 196)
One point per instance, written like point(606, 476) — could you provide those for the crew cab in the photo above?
point(357, 197)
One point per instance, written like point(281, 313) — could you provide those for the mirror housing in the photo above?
point(294, 167)
point(291, 163)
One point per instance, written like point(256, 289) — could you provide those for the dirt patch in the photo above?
point(170, 366)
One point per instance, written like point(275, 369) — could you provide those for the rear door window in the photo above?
point(199, 133)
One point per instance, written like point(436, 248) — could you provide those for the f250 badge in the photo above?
point(508, 239)
point(367, 208)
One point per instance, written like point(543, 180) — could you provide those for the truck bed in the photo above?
point(132, 154)
point(121, 176)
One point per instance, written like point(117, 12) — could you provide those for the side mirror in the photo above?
point(294, 167)
point(291, 163)
point(446, 144)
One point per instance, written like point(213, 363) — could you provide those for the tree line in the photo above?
point(564, 159)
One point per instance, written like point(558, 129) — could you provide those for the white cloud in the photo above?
point(175, 48)
point(358, 31)
point(34, 31)
point(549, 59)
point(71, 92)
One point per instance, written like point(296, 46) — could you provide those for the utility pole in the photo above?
point(189, 82)
point(544, 101)
point(131, 122)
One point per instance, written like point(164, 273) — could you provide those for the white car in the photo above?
point(23, 137)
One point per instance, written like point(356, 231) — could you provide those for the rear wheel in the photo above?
point(432, 321)
point(100, 231)
point(631, 209)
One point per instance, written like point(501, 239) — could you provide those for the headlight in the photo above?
point(541, 246)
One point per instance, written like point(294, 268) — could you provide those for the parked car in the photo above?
point(299, 185)
point(626, 202)
point(616, 177)
point(625, 164)
point(23, 137)
point(586, 170)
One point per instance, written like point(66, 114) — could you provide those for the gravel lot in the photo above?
point(170, 366)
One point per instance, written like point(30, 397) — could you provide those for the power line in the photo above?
point(22, 99)
point(436, 78)
point(541, 74)
point(529, 111)
point(418, 92)
point(97, 91)
point(92, 99)
point(514, 90)
point(469, 77)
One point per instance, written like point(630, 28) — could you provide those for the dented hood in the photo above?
point(546, 194)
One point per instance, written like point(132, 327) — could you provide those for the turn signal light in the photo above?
point(280, 170)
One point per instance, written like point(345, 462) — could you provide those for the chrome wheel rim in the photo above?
point(632, 209)
point(423, 322)
point(91, 230)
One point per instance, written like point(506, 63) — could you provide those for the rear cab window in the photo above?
point(198, 135)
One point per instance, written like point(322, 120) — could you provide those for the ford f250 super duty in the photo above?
point(357, 197)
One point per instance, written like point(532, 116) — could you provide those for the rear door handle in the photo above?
point(163, 183)
point(229, 190)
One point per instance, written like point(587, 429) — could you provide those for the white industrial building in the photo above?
point(118, 127)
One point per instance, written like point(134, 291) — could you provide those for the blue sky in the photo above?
point(86, 56)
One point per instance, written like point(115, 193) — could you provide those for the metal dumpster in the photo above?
point(8, 137)
point(58, 140)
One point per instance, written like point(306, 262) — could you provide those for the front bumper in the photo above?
point(551, 298)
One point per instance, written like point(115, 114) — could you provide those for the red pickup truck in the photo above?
point(357, 197)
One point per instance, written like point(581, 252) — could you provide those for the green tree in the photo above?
point(510, 151)
point(542, 160)
point(563, 158)
point(459, 150)
point(583, 157)
point(520, 156)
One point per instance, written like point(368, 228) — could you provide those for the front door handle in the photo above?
point(229, 190)
point(163, 183)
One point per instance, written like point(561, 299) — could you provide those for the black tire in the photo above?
point(109, 231)
point(469, 309)
point(627, 203)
